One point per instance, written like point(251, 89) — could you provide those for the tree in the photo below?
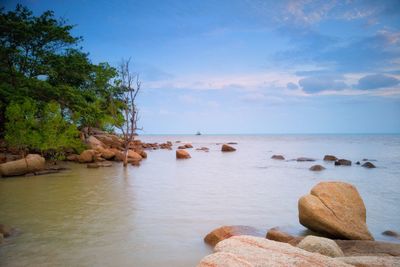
point(130, 86)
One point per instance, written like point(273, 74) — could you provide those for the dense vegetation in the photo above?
point(49, 88)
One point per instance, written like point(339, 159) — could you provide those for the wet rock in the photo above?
point(227, 148)
point(368, 165)
point(182, 147)
point(133, 156)
point(391, 234)
point(106, 153)
point(358, 163)
point(330, 158)
point(321, 245)
point(87, 156)
point(30, 164)
point(1, 238)
point(303, 159)
point(371, 261)
point(135, 163)
point(278, 157)
point(143, 154)
point(232, 143)
point(278, 235)
point(205, 149)
point(6, 230)
point(369, 160)
point(225, 232)
point(335, 209)
point(72, 157)
point(95, 165)
point(343, 162)
point(188, 146)
point(317, 168)
point(182, 154)
point(368, 248)
point(255, 251)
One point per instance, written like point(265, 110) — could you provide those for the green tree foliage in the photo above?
point(42, 61)
point(30, 127)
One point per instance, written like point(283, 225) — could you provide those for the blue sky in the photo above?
point(250, 66)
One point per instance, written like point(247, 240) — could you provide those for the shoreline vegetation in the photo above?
point(56, 105)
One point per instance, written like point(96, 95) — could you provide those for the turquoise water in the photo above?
point(157, 214)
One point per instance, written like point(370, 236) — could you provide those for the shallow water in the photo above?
point(157, 214)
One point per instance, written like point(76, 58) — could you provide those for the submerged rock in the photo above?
point(6, 230)
point(227, 148)
point(205, 149)
point(343, 162)
point(182, 154)
point(278, 157)
point(321, 245)
point(335, 209)
point(255, 251)
point(368, 165)
point(225, 232)
point(317, 168)
point(278, 235)
point(330, 158)
point(391, 234)
point(303, 159)
point(30, 164)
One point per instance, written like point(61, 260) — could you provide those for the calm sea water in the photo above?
point(157, 214)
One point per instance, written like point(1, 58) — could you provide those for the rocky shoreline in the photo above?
point(336, 215)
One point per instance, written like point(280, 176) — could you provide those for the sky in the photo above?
point(249, 67)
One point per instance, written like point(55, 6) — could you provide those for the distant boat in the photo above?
point(198, 133)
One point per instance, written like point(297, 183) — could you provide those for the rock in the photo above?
point(278, 235)
point(225, 232)
point(135, 163)
point(358, 163)
point(29, 164)
point(95, 165)
point(232, 143)
point(143, 154)
point(73, 157)
point(1, 238)
point(371, 261)
point(94, 143)
point(278, 157)
point(181, 147)
point(227, 148)
point(321, 245)
point(133, 156)
point(188, 146)
point(317, 168)
point(182, 154)
point(106, 153)
point(255, 251)
point(303, 159)
point(369, 159)
point(335, 209)
point(330, 158)
point(343, 162)
point(110, 140)
point(368, 248)
point(205, 149)
point(87, 156)
point(6, 231)
point(3, 158)
point(391, 233)
point(368, 165)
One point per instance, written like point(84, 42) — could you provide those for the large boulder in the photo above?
point(321, 245)
point(29, 164)
point(106, 153)
point(225, 232)
point(182, 154)
point(255, 251)
point(227, 148)
point(133, 156)
point(87, 156)
point(94, 143)
point(371, 261)
point(335, 209)
point(110, 140)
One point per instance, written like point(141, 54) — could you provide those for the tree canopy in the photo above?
point(44, 71)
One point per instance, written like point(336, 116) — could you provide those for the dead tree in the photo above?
point(130, 87)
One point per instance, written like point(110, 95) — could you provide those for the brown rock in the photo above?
point(330, 158)
point(371, 261)
point(93, 165)
point(278, 157)
point(87, 156)
point(106, 153)
point(143, 154)
point(255, 251)
point(317, 168)
point(205, 149)
point(181, 147)
point(135, 163)
point(73, 157)
point(278, 235)
point(368, 165)
point(391, 233)
point(29, 164)
point(1, 238)
point(227, 148)
point(343, 162)
point(225, 232)
point(368, 248)
point(182, 154)
point(94, 143)
point(335, 209)
point(6, 231)
point(188, 146)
